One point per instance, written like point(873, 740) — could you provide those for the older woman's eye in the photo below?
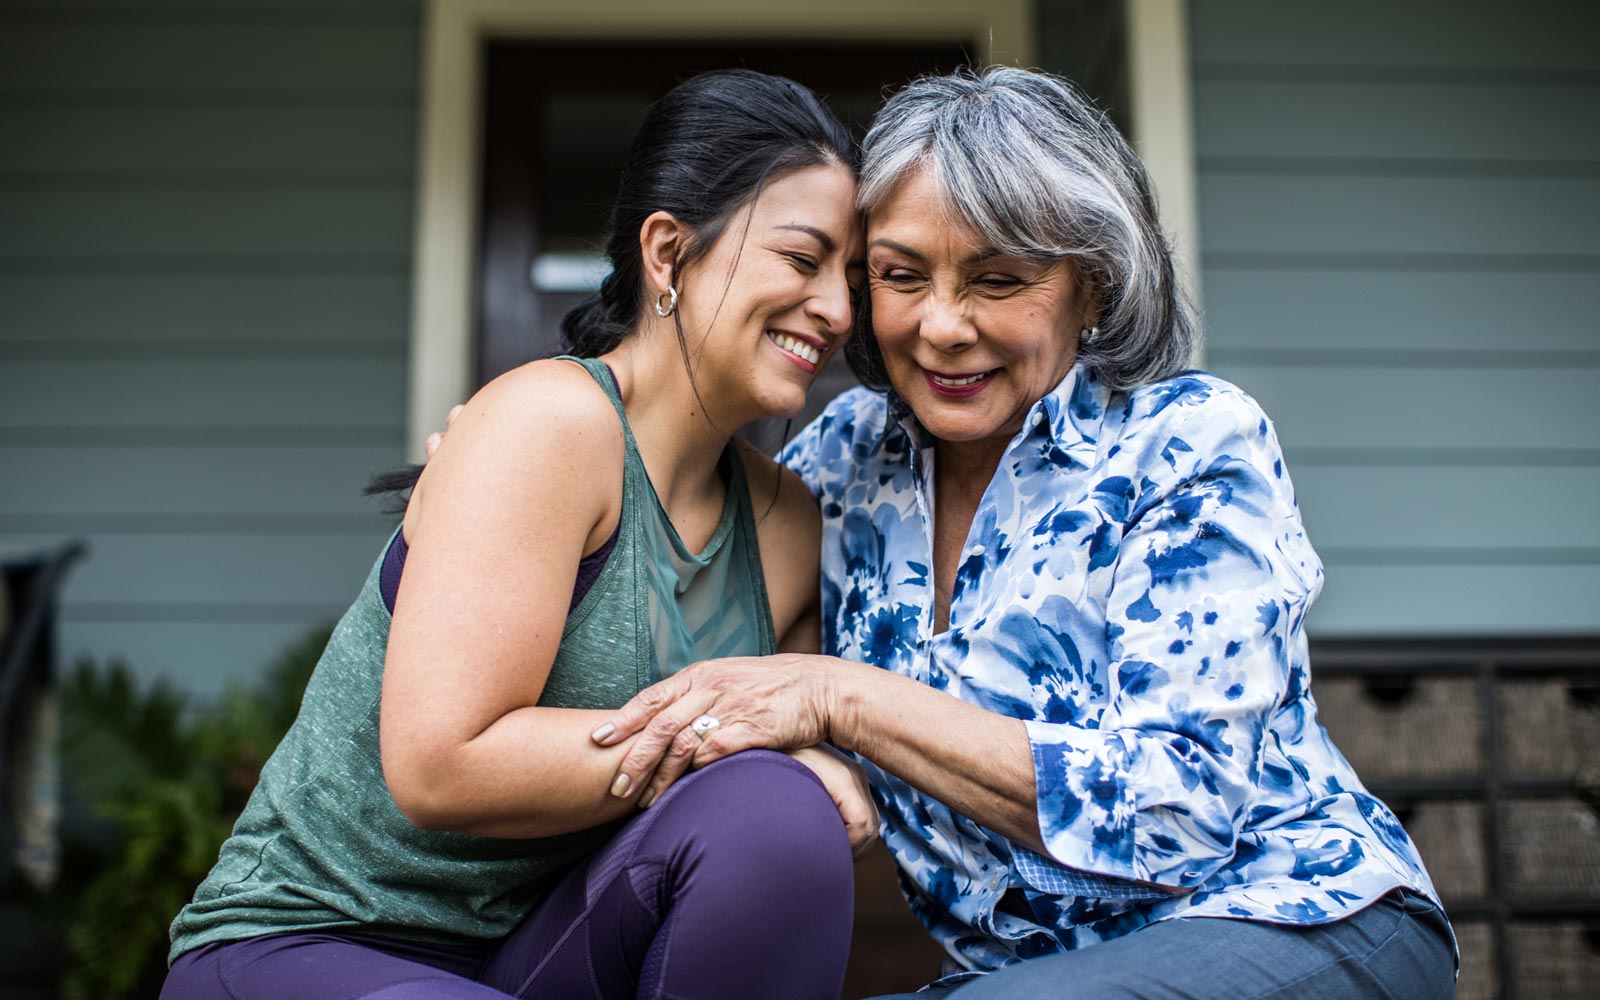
point(997, 284)
point(897, 276)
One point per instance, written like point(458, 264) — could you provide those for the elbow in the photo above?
point(422, 794)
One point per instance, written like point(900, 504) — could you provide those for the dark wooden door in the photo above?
point(558, 120)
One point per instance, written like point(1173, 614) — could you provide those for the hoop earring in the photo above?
point(671, 307)
point(1089, 334)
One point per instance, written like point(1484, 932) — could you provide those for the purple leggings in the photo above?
point(736, 884)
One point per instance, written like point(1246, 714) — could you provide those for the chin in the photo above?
point(785, 404)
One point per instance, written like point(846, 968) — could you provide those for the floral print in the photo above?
point(1134, 587)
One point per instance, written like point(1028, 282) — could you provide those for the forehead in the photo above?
point(916, 212)
point(822, 197)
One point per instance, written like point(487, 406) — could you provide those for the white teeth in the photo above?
point(798, 348)
point(956, 383)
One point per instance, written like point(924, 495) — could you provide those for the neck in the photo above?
point(967, 467)
point(680, 443)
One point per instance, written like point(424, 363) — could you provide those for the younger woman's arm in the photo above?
point(528, 481)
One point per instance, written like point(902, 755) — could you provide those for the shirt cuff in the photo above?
point(1085, 803)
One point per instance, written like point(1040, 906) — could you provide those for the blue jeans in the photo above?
point(1398, 948)
point(736, 884)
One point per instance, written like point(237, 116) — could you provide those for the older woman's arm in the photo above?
point(1204, 601)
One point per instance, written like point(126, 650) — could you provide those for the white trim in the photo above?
point(1163, 124)
point(448, 171)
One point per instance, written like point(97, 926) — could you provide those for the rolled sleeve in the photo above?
point(1203, 599)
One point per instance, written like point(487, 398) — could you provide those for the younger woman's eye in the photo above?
point(803, 262)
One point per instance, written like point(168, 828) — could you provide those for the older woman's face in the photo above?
point(971, 338)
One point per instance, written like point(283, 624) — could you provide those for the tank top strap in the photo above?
point(607, 380)
point(739, 487)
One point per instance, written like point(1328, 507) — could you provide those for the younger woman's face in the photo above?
point(770, 303)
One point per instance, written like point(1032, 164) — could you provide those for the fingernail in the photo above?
point(648, 798)
point(619, 785)
point(603, 733)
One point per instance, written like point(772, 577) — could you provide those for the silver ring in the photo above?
point(704, 726)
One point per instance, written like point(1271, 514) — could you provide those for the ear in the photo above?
point(662, 239)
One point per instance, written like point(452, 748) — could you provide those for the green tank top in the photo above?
point(322, 845)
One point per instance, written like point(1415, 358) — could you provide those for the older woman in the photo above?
point(1064, 589)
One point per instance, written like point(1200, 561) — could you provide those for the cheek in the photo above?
point(893, 317)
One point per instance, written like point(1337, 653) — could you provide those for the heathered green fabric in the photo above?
point(322, 845)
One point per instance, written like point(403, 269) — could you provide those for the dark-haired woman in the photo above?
point(437, 822)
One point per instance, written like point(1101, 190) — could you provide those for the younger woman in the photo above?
point(437, 822)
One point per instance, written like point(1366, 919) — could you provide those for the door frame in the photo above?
point(454, 37)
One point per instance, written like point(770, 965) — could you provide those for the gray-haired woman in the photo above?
point(1064, 589)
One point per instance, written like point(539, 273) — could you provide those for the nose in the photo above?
point(946, 325)
point(829, 305)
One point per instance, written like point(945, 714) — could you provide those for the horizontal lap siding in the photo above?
point(1400, 223)
point(205, 244)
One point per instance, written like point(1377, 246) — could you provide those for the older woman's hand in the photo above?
point(778, 702)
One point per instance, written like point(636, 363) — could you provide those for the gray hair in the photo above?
point(1038, 172)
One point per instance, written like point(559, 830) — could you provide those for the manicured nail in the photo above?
point(648, 798)
point(603, 733)
point(619, 786)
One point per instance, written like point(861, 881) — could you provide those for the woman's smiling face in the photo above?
point(971, 338)
point(771, 301)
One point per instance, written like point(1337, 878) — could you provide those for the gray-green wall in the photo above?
point(205, 225)
point(1400, 225)
point(205, 256)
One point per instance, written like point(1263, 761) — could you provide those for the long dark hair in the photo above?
point(706, 149)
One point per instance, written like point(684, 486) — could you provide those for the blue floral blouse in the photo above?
point(1134, 587)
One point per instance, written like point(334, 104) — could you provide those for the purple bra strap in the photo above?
point(394, 564)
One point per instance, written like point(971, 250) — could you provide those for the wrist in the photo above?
point(840, 708)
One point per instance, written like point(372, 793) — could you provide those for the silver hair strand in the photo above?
point(1037, 171)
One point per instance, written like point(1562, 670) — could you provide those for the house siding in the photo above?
point(206, 214)
point(1400, 226)
point(205, 257)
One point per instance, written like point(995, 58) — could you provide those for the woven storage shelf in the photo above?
point(1548, 729)
point(1432, 728)
point(1550, 849)
point(1450, 837)
point(1490, 752)
point(1555, 961)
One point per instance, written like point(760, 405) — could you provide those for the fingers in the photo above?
point(641, 709)
point(434, 440)
point(663, 749)
point(862, 829)
point(678, 760)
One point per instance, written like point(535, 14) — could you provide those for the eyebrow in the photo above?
point(977, 257)
point(827, 241)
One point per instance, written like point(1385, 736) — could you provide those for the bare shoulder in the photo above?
point(543, 430)
point(549, 396)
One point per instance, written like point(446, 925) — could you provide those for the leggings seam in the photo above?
point(577, 922)
point(222, 974)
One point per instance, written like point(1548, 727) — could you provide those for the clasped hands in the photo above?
point(780, 702)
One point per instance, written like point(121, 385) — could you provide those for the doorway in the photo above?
point(557, 122)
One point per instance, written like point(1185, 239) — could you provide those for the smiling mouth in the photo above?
point(960, 381)
point(797, 347)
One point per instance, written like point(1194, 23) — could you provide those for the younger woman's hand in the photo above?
point(847, 784)
point(435, 439)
